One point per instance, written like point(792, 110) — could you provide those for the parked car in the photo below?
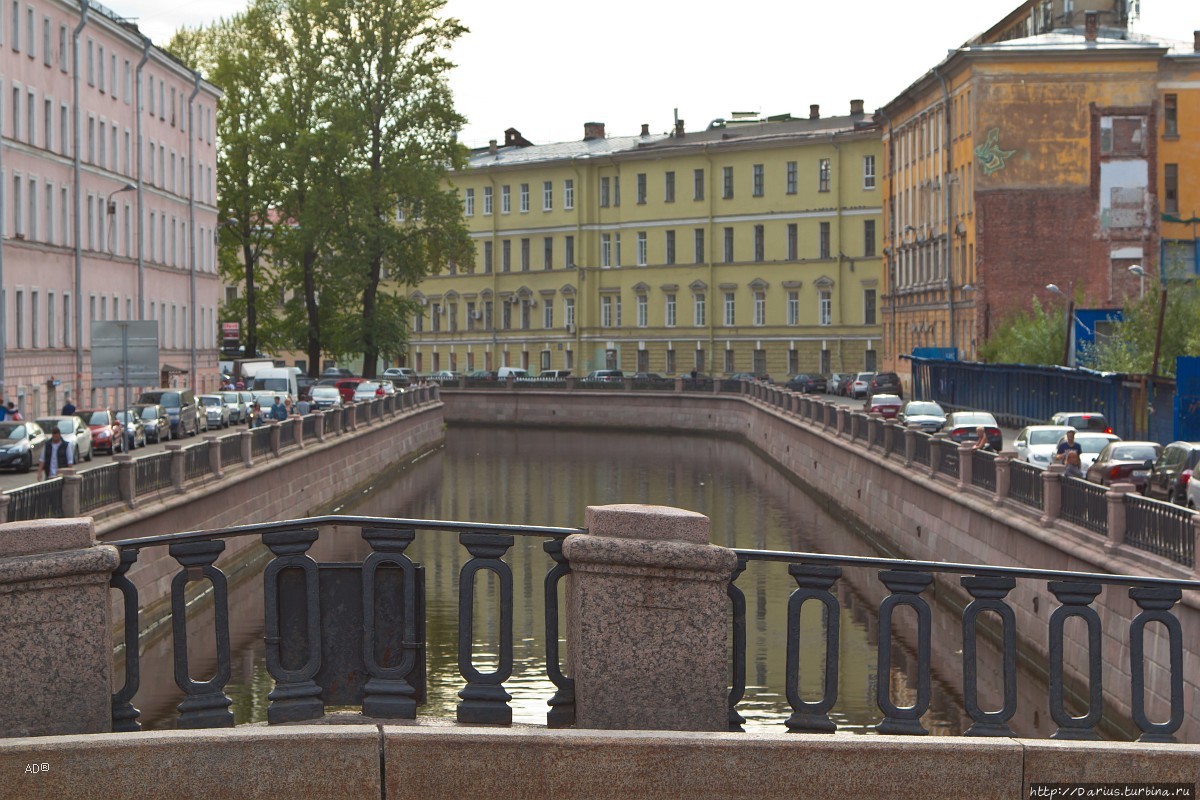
point(1082, 421)
point(606, 375)
point(644, 377)
point(21, 445)
point(1037, 444)
point(805, 383)
point(369, 390)
point(336, 372)
point(563, 374)
point(887, 383)
point(326, 397)
point(928, 415)
point(156, 422)
point(304, 386)
point(215, 410)
point(236, 406)
point(482, 375)
point(347, 386)
point(888, 405)
point(443, 375)
point(108, 434)
point(961, 427)
point(504, 373)
point(135, 431)
point(1125, 462)
point(750, 376)
point(400, 372)
point(861, 385)
point(181, 408)
point(833, 384)
point(1171, 473)
point(1091, 443)
point(73, 430)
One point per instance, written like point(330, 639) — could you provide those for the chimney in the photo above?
point(492, 146)
point(1091, 24)
point(856, 107)
point(679, 130)
point(645, 129)
point(593, 130)
point(814, 111)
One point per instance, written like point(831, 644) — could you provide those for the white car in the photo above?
point(369, 390)
point(325, 397)
point(1037, 444)
point(1092, 443)
point(400, 372)
point(861, 385)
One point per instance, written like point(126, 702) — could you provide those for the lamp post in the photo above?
point(1067, 352)
point(110, 208)
point(1141, 274)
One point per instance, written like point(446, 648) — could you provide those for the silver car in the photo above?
point(214, 409)
point(73, 430)
point(236, 406)
point(927, 415)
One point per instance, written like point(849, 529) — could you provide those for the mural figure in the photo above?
point(991, 157)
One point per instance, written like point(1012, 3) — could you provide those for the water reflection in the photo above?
point(548, 478)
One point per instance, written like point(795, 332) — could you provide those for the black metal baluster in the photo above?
point(206, 705)
point(484, 699)
point(388, 692)
point(738, 690)
point(989, 594)
point(124, 713)
point(296, 695)
point(813, 583)
point(1076, 599)
point(562, 704)
point(1156, 606)
point(906, 588)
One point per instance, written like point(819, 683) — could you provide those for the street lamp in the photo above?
point(1141, 274)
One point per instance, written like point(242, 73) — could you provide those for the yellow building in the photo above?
point(1021, 161)
point(748, 247)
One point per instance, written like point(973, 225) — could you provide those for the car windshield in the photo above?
point(931, 409)
point(150, 413)
point(230, 397)
point(1044, 437)
point(1129, 453)
point(98, 418)
point(121, 417)
point(324, 391)
point(11, 431)
point(211, 401)
point(974, 419)
point(1092, 444)
point(366, 386)
point(63, 425)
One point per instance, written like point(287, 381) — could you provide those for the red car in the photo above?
point(346, 388)
point(108, 434)
point(888, 405)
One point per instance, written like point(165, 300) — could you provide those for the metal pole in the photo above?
point(192, 222)
point(1162, 307)
point(125, 364)
point(141, 245)
point(76, 174)
point(1070, 331)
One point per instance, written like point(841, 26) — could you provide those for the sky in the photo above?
point(546, 67)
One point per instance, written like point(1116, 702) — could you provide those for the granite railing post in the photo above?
point(1004, 461)
point(966, 465)
point(1115, 497)
point(178, 467)
point(1196, 546)
point(275, 437)
point(510, 383)
point(71, 492)
point(298, 431)
point(126, 479)
point(320, 426)
point(910, 444)
point(627, 383)
point(350, 419)
point(648, 615)
point(4, 501)
point(874, 426)
point(840, 430)
point(54, 600)
point(214, 455)
point(573, 383)
point(1052, 493)
point(890, 429)
point(935, 453)
point(247, 450)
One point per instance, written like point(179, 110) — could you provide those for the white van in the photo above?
point(515, 372)
point(277, 379)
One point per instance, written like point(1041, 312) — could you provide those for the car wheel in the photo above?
point(88, 457)
point(28, 465)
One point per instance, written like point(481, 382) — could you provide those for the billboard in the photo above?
point(124, 353)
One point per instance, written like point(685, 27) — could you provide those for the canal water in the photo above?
point(549, 478)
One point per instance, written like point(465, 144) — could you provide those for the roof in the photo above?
point(582, 149)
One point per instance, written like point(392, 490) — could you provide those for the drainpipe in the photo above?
point(946, 188)
point(141, 263)
point(711, 292)
point(192, 219)
point(3, 299)
point(891, 223)
point(76, 171)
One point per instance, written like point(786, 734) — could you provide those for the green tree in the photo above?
point(1130, 347)
point(1037, 336)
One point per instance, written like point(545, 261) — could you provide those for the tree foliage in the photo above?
point(1130, 347)
point(1037, 336)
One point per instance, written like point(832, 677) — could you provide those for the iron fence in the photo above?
point(308, 426)
point(948, 463)
point(362, 413)
point(1164, 529)
point(654, 385)
point(152, 473)
point(1083, 504)
point(260, 441)
point(983, 470)
point(1025, 484)
point(706, 385)
point(231, 451)
point(287, 432)
point(922, 442)
point(99, 487)
point(196, 463)
point(36, 501)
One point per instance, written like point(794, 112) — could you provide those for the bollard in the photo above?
point(1004, 461)
point(298, 431)
point(841, 421)
point(1115, 497)
point(1052, 493)
point(214, 456)
point(910, 444)
point(178, 467)
point(678, 384)
point(71, 491)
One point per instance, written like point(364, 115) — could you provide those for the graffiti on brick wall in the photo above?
point(991, 157)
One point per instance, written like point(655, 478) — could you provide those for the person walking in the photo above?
point(68, 409)
point(57, 454)
point(3, 410)
point(1066, 446)
point(14, 413)
point(279, 412)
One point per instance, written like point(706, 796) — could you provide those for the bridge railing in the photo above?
point(36, 501)
point(99, 487)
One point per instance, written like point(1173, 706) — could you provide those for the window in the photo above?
point(641, 189)
point(698, 310)
point(569, 311)
point(616, 249)
point(524, 198)
point(487, 256)
point(669, 188)
point(18, 208)
point(548, 252)
point(699, 241)
point(641, 248)
point(488, 316)
point(758, 180)
point(759, 244)
point(791, 177)
point(698, 184)
point(568, 251)
point(505, 199)
point(760, 362)
point(823, 244)
point(868, 237)
point(548, 313)
point(727, 183)
point(524, 314)
point(606, 311)
point(21, 316)
point(1171, 188)
point(793, 307)
point(825, 307)
point(617, 190)
point(604, 192)
point(505, 315)
point(729, 361)
point(547, 195)
point(1122, 136)
point(793, 362)
point(730, 310)
point(669, 314)
point(670, 247)
point(46, 41)
point(793, 245)
point(487, 200)
point(1170, 115)
point(606, 250)
point(506, 255)
point(760, 308)
point(568, 194)
point(525, 255)
point(469, 203)
point(62, 48)
point(641, 311)
point(670, 367)
point(700, 360)
point(868, 172)
point(823, 175)
point(728, 240)
point(868, 306)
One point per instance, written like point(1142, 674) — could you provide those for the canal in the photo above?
point(549, 478)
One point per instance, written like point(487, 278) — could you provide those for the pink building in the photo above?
point(105, 213)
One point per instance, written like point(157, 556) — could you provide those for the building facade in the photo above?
point(107, 201)
point(751, 246)
point(1022, 161)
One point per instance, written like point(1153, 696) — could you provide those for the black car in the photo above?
point(1170, 474)
point(886, 383)
point(805, 383)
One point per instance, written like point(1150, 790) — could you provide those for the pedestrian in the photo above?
point(3, 410)
point(278, 410)
point(13, 412)
point(303, 408)
point(57, 454)
point(1074, 464)
point(981, 443)
point(68, 409)
point(255, 415)
point(1066, 446)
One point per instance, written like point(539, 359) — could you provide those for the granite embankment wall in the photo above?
point(906, 514)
